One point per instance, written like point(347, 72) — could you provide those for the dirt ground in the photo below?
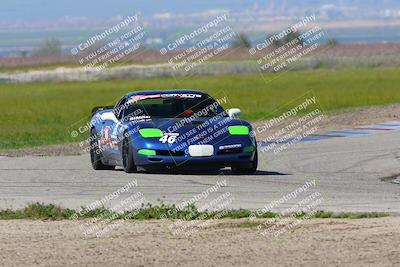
point(322, 242)
point(343, 120)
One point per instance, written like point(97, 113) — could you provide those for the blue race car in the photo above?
point(171, 129)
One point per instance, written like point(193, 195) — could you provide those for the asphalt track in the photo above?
point(351, 174)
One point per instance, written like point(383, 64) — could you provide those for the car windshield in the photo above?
point(172, 106)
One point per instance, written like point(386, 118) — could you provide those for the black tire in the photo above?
point(95, 154)
point(248, 169)
point(127, 156)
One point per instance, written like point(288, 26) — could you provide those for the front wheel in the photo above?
point(252, 168)
point(127, 156)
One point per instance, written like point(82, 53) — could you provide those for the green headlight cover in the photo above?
point(151, 133)
point(249, 149)
point(238, 130)
point(147, 152)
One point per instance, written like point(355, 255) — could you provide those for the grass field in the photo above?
point(42, 114)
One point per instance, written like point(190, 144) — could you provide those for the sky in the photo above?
point(51, 9)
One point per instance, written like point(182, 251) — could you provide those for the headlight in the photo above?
point(151, 133)
point(238, 130)
point(147, 152)
point(249, 149)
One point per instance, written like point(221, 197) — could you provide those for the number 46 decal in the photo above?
point(169, 138)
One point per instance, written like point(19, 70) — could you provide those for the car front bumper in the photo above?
point(211, 162)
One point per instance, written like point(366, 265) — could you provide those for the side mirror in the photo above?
point(108, 116)
point(233, 112)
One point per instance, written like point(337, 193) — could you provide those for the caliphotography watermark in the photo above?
point(110, 46)
point(301, 204)
point(209, 208)
point(298, 121)
point(281, 50)
point(211, 127)
point(108, 136)
point(110, 211)
point(190, 50)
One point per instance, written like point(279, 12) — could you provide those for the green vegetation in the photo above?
point(46, 113)
point(38, 211)
point(49, 47)
point(241, 40)
point(348, 215)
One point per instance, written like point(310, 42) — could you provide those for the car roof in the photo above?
point(174, 91)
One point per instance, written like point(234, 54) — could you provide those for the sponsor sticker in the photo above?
point(230, 146)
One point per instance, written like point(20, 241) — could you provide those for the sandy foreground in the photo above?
point(322, 242)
